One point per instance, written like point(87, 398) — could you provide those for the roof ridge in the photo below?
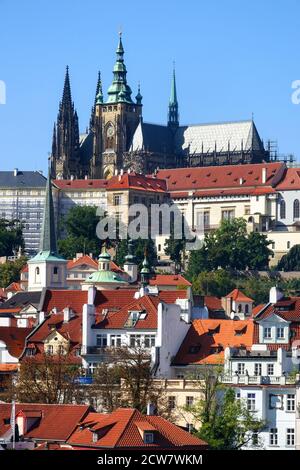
point(133, 412)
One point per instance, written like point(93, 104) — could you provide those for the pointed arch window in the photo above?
point(282, 209)
point(296, 209)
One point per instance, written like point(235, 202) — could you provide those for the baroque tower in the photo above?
point(114, 121)
point(65, 142)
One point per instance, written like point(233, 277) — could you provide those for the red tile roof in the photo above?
point(206, 340)
point(14, 338)
point(14, 287)
point(121, 429)
point(57, 422)
point(169, 280)
point(287, 308)
point(88, 184)
point(291, 180)
point(238, 296)
point(204, 178)
point(60, 299)
point(137, 182)
point(85, 259)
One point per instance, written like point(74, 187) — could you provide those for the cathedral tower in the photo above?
point(65, 142)
point(114, 121)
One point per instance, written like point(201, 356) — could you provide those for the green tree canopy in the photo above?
point(230, 247)
point(10, 271)
point(10, 236)
point(290, 261)
point(139, 247)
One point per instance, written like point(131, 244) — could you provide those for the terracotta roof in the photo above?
point(229, 176)
point(120, 429)
point(14, 338)
point(56, 423)
point(14, 287)
point(287, 308)
point(9, 367)
point(85, 259)
point(88, 184)
point(60, 299)
point(291, 180)
point(137, 182)
point(238, 296)
point(212, 303)
point(206, 340)
point(169, 280)
point(118, 319)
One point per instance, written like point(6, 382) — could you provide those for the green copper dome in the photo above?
point(119, 91)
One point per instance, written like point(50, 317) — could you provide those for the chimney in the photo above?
point(275, 295)
point(122, 172)
point(264, 176)
point(91, 295)
point(54, 310)
point(41, 317)
point(151, 409)
point(72, 177)
point(67, 314)
point(15, 171)
point(241, 180)
point(86, 177)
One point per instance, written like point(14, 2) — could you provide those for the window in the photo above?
point(254, 438)
point(171, 403)
point(290, 402)
point(282, 209)
point(273, 437)
point(257, 369)
point(296, 209)
point(101, 341)
point(135, 341)
point(280, 332)
point(149, 341)
point(288, 245)
point(238, 395)
point(228, 214)
point(241, 368)
point(55, 270)
point(251, 401)
point(267, 332)
point(61, 349)
point(246, 309)
point(247, 210)
point(203, 219)
point(117, 199)
point(189, 401)
point(115, 341)
point(148, 437)
point(270, 369)
point(49, 349)
point(290, 437)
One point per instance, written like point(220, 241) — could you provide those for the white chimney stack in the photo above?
point(15, 171)
point(264, 176)
point(275, 295)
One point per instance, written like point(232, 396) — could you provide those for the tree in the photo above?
point(80, 227)
point(224, 422)
point(139, 247)
point(175, 250)
point(216, 283)
point(52, 380)
point(230, 247)
point(10, 237)
point(10, 271)
point(290, 261)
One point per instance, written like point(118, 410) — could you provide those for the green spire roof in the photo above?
point(104, 275)
point(146, 270)
point(48, 235)
point(173, 95)
point(139, 96)
point(48, 244)
point(119, 91)
point(99, 94)
point(173, 115)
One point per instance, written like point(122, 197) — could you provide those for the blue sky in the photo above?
point(233, 59)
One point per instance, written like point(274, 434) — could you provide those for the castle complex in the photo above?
point(118, 138)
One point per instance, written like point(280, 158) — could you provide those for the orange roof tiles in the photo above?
point(14, 338)
point(206, 340)
point(238, 296)
point(120, 429)
point(291, 180)
point(169, 280)
point(87, 184)
point(137, 182)
point(56, 423)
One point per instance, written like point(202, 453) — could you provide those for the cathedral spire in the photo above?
point(48, 234)
point(67, 97)
point(54, 145)
point(119, 91)
point(99, 93)
point(173, 115)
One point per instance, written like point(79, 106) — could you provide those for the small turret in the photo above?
point(173, 115)
point(130, 264)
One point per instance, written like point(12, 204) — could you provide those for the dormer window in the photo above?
point(148, 437)
point(280, 332)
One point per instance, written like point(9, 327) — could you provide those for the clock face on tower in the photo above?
point(110, 131)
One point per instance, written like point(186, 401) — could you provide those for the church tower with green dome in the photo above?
point(114, 121)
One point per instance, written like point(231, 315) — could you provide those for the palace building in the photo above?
point(118, 138)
